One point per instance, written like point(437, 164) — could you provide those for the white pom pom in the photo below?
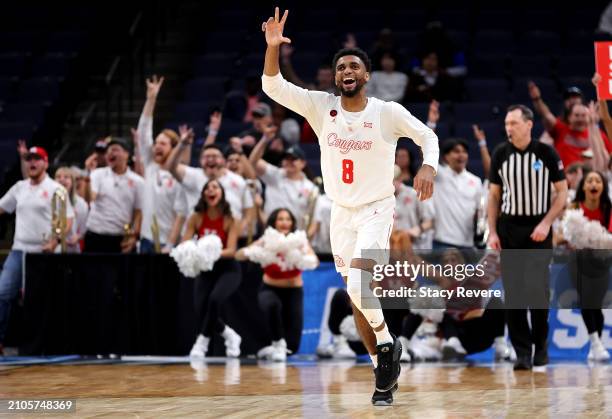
point(265, 254)
point(185, 257)
point(582, 233)
point(285, 251)
point(308, 262)
point(208, 251)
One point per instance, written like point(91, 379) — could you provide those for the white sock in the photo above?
point(594, 337)
point(374, 359)
point(358, 288)
point(500, 340)
point(383, 336)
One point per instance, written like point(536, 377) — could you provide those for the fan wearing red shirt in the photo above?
point(572, 138)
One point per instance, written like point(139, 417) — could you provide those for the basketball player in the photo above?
point(358, 136)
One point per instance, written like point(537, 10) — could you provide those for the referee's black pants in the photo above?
point(525, 276)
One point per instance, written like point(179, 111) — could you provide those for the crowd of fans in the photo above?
point(143, 195)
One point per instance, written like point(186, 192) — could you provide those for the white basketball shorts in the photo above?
point(367, 227)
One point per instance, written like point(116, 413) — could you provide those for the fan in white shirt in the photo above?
point(116, 207)
point(30, 199)
point(388, 84)
point(319, 229)
point(161, 189)
point(457, 197)
point(414, 219)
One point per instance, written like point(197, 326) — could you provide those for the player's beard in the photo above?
point(354, 92)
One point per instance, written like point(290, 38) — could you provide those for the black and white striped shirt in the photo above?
point(525, 177)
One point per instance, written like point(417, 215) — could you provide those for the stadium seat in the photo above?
point(13, 131)
point(548, 88)
point(50, 65)
point(531, 66)
point(38, 90)
point(477, 112)
point(486, 90)
point(539, 42)
point(205, 89)
point(489, 66)
point(214, 65)
point(493, 42)
point(23, 113)
point(12, 65)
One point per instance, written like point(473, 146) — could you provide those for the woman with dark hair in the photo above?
point(213, 215)
point(281, 296)
point(590, 270)
point(403, 158)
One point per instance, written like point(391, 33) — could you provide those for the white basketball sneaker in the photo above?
point(280, 351)
point(200, 347)
point(341, 349)
point(598, 351)
point(453, 349)
point(232, 342)
point(265, 352)
point(502, 349)
point(405, 356)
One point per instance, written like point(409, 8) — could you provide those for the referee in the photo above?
point(520, 218)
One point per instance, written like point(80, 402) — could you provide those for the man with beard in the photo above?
point(458, 197)
point(31, 200)
point(212, 166)
point(161, 190)
point(117, 192)
point(358, 137)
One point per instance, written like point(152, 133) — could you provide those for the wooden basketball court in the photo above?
point(235, 388)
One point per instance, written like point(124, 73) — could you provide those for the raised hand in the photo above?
point(91, 163)
point(534, 91)
point(478, 133)
point(273, 28)
point(22, 149)
point(596, 79)
point(594, 115)
point(153, 86)
point(186, 134)
point(215, 121)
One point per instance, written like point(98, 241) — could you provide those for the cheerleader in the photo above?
point(212, 288)
point(281, 296)
point(590, 269)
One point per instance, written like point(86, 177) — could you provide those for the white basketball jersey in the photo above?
point(356, 161)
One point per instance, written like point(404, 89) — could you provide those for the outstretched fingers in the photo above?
point(284, 18)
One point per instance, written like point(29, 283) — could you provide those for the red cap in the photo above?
point(40, 152)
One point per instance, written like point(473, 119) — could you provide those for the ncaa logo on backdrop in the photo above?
point(537, 165)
